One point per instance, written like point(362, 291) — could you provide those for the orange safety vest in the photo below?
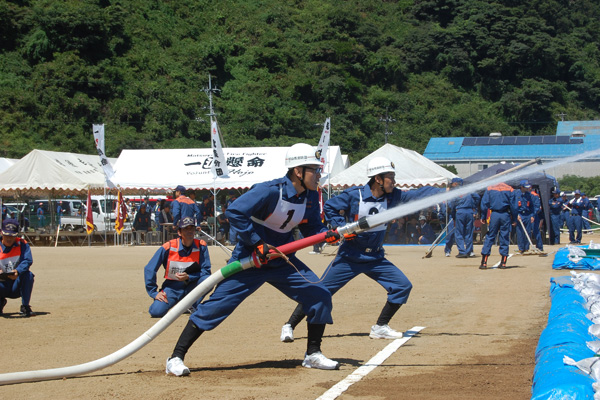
point(177, 263)
point(10, 260)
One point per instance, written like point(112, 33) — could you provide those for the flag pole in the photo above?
point(219, 165)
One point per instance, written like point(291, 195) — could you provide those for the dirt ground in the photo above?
point(482, 328)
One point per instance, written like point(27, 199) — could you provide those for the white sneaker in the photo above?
point(472, 255)
point(312, 252)
point(176, 367)
point(319, 361)
point(447, 254)
point(287, 333)
point(384, 332)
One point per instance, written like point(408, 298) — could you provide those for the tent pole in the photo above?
point(328, 172)
point(105, 213)
point(215, 192)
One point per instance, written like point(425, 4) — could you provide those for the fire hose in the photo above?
point(251, 261)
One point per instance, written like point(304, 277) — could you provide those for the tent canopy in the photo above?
point(6, 163)
point(166, 168)
point(42, 172)
point(412, 170)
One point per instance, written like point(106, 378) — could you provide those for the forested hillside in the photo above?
point(440, 68)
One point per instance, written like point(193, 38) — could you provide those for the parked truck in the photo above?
point(102, 212)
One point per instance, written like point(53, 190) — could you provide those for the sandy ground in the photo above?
point(482, 328)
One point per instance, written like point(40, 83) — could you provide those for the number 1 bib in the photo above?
point(285, 216)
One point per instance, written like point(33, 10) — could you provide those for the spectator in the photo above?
point(426, 233)
point(40, 215)
point(141, 224)
point(165, 217)
point(207, 208)
point(156, 211)
point(233, 236)
point(59, 212)
point(224, 227)
point(412, 231)
point(183, 207)
point(393, 235)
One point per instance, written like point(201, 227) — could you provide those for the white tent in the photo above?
point(6, 163)
point(412, 170)
point(42, 172)
point(167, 168)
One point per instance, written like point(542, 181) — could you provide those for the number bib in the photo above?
point(369, 208)
point(8, 265)
point(285, 216)
point(176, 267)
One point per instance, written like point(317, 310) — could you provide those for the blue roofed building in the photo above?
point(473, 154)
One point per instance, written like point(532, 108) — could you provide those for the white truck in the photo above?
point(102, 212)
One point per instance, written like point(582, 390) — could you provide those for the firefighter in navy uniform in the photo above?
point(498, 200)
point(556, 218)
point(183, 207)
point(578, 205)
point(186, 262)
point(16, 280)
point(526, 211)
point(265, 216)
point(364, 254)
point(465, 208)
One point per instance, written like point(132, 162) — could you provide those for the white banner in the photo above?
point(99, 141)
point(219, 165)
point(324, 144)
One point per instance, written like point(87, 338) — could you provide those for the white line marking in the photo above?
point(370, 365)
point(498, 263)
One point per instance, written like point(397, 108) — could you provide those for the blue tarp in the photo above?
point(565, 334)
point(562, 261)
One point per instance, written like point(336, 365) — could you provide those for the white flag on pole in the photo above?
point(99, 141)
point(219, 166)
point(324, 143)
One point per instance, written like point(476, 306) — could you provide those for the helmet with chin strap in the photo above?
point(379, 165)
point(302, 154)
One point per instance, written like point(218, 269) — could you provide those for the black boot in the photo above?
point(484, 258)
point(503, 262)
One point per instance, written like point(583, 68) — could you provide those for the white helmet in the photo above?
point(302, 154)
point(379, 165)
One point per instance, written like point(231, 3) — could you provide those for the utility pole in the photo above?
point(387, 120)
point(211, 112)
point(562, 116)
point(209, 92)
